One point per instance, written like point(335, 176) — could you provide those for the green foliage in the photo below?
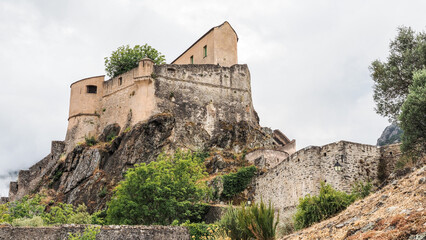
point(125, 58)
point(89, 233)
point(103, 192)
point(111, 137)
point(90, 141)
point(413, 117)
point(24, 208)
point(201, 231)
point(312, 209)
point(163, 191)
point(235, 183)
point(64, 213)
point(361, 189)
point(99, 217)
point(257, 221)
point(35, 221)
point(393, 78)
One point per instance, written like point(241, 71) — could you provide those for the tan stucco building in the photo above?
point(217, 46)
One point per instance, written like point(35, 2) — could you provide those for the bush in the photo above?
point(201, 231)
point(125, 58)
point(313, 209)
point(235, 183)
point(24, 208)
point(90, 141)
point(163, 191)
point(361, 189)
point(254, 222)
point(89, 233)
point(64, 213)
point(35, 221)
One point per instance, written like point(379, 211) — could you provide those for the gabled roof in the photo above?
point(204, 36)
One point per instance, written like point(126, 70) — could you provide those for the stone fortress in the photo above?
point(206, 88)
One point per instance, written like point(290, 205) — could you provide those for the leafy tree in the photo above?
point(160, 192)
point(413, 117)
point(393, 77)
point(125, 58)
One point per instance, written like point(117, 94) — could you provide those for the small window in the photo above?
point(91, 89)
point(120, 80)
point(205, 51)
point(192, 59)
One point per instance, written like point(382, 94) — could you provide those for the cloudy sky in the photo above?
point(308, 60)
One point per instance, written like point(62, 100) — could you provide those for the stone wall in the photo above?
point(29, 180)
point(302, 172)
point(106, 232)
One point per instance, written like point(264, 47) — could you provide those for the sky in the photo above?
point(308, 61)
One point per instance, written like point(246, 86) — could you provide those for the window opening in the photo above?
point(91, 89)
point(205, 51)
point(192, 59)
point(120, 80)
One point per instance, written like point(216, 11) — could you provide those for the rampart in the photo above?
point(106, 232)
point(302, 172)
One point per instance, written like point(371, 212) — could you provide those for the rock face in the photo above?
point(89, 173)
point(391, 135)
point(106, 232)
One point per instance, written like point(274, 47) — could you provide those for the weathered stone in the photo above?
point(110, 131)
point(106, 232)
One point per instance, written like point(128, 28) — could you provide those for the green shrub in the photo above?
point(361, 189)
point(35, 221)
point(234, 183)
point(160, 192)
point(89, 233)
point(201, 231)
point(64, 213)
point(103, 192)
point(257, 221)
point(313, 209)
point(111, 137)
point(90, 141)
point(99, 217)
point(24, 208)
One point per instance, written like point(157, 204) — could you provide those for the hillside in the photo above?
point(395, 212)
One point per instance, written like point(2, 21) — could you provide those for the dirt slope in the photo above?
point(395, 212)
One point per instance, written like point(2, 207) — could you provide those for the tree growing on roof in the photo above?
point(126, 58)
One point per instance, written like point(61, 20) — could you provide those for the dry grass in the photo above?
point(395, 212)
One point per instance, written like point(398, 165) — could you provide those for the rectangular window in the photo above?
point(192, 59)
point(205, 51)
point(120, 81)
point(91, 89)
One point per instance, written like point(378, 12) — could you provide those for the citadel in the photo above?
point(201, 100)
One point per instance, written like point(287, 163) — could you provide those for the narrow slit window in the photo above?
point(205, 51)
point(192, 59)
point(91, 89)
point(120, 81)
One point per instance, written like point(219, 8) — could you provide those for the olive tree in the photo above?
point(392, 78)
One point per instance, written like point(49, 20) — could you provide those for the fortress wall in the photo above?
point(204, 95)
point(28, 180)
point(301, 173)
point(82, 102)
point(267, 157)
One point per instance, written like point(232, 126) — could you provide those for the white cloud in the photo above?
point(308, 60)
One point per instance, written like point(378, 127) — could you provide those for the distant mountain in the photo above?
point(391, 134)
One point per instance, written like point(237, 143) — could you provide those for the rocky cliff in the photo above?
point(391, 134)
point(89, 173)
